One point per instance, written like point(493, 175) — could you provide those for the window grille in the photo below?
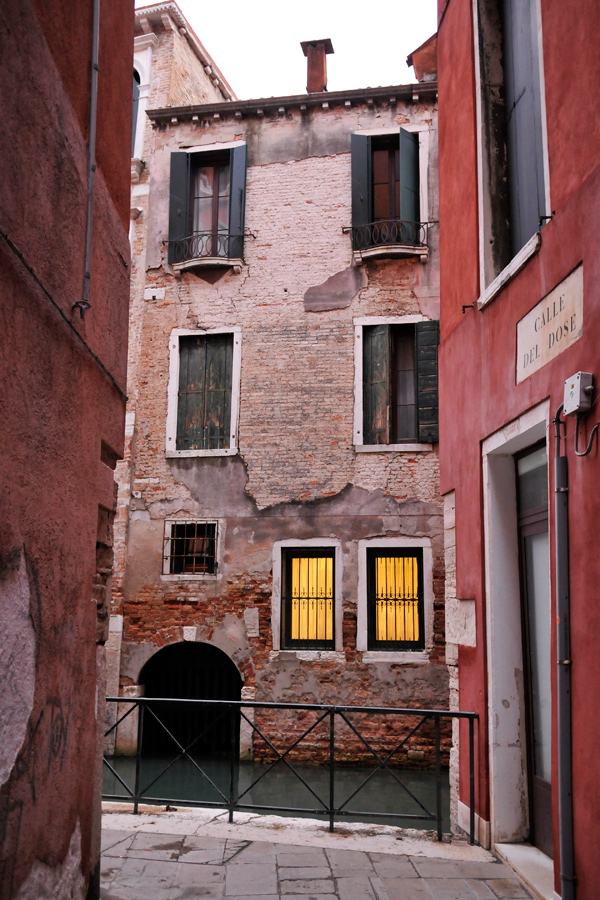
point(308, 599)
point(190, 548)
point(395, 599)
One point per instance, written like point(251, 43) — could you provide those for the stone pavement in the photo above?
point(194, 854)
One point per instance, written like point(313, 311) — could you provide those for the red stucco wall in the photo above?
point(478, 390)
point(62, 397)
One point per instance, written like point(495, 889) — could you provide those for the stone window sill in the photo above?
point(509, 271)
point(405, 657)
point(309, 655)
point(393, 448)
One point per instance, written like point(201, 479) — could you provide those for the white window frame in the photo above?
point(490, 286)
point(173, 389)
point(191, 576)
point(394, 656)
point(276, 597)
point(359, 446)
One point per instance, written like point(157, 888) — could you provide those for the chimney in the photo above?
point(315, 52)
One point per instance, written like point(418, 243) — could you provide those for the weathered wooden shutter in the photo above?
point(427, 340)
point(523, 121)
point(237, 201)
point(179, 200)
point(360, 147)
point(204, 400)
point(376, 384)
point(409, 176)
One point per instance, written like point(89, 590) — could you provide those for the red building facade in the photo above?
point(520, 273)
point(63, 354)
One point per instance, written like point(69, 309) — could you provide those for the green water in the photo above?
point(183, 784)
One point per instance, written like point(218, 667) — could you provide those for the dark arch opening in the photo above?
point(191, 671)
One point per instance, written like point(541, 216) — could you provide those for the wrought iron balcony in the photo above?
point(397, 237)
point(207, 248)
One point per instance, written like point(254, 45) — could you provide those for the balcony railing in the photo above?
point(388, 233)
point(207, 245)
point(380, 740)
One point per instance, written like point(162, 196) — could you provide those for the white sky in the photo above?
point(256, 43)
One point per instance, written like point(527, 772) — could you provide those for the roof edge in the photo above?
point(415, 93)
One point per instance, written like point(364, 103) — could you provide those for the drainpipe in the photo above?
point(83, 305)
point(563, 648)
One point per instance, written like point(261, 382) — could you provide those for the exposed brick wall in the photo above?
point(297, 475)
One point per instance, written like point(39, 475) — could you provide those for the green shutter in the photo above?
point(376, 384)
point(204, 399)
point(360, 147)
point(409, 176)
point(179, 200)
point(237, 202)
point(427, 337)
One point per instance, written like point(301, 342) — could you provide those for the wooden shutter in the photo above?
point(179, 200)
point(360, 147)
point(409, 176)
point(237, 201)
point(523, 121)
point(204, 399)
point(376, 384)
point(427, 340)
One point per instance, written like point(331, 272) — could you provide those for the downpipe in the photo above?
point(563, 649)
point(83, 305)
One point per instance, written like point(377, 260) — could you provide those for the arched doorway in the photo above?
point(191, 671)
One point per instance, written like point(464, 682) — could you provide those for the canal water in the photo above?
point(183, 784)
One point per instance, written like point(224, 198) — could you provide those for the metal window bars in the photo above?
point(190, 548)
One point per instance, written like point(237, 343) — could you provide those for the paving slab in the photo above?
point(175, 856)
point(251, 879)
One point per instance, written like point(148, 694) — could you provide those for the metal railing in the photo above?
point(207, 245)
point(389, 232)
point(323, 735)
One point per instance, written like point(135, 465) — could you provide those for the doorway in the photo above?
point(191, 671)
point(534, 560)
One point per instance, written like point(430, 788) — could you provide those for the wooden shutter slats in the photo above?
point(427, 339)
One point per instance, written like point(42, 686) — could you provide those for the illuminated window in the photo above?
point(395, 615)
point(308, 599)
point(190, 548)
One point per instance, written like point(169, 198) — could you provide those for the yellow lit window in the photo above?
point(395, 600)
point(308, 601)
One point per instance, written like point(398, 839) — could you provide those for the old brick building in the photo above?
point(280, 522)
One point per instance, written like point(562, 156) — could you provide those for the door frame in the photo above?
point(508, 769)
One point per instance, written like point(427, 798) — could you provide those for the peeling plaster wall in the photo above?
point(297, 475)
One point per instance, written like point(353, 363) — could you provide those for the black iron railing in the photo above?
point(329, 734)
point(388, 233)
point(207, 245)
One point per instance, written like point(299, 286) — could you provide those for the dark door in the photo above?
point(190, 671)
point(532, 481)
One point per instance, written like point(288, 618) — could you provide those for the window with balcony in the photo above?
point(206, 209)
point(386, 203)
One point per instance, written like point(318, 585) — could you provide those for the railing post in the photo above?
point(331, 767)
point(471, 781)
point(138, 757)
point(232, 755)
point(438, 777)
